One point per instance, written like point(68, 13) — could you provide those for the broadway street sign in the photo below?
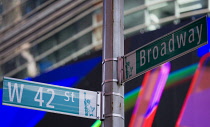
point(166, 48)
point(51, 98)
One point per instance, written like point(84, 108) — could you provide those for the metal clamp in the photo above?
point(102, 105)
point(109, 59)
point(120, 69)
point(109, 80)
point(114, 115)
point(98, 105)
point(113, 93)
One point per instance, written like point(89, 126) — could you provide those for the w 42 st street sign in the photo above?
point(51, 98)
point(166, 48)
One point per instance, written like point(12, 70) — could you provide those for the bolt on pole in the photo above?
point(113, 48)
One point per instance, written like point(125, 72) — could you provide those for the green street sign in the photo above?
point(51, 98)
point(165, 48)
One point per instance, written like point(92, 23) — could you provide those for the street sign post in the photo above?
point(113, 47)
point(51, 98)
point(165, 48)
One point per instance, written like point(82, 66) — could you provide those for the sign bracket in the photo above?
point(102, 106)
point(120, 69)
point(98, 105)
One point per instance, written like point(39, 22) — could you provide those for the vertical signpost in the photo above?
point(113, 47)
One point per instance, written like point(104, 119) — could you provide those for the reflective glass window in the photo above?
point(162, 10)
point(21, 75)
point(134, 19)
point(46, 62)
point(129, 4)
point(192, 5)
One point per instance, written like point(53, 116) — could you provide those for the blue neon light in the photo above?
point(206, 48)
point(67, 76)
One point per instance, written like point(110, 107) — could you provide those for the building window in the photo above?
point(134, 19)
point(13, 64)
point(21, 75)
point(187, 5)
point(73, 47)
point(161, 10)
point(129, 4)
point(30, 5)
point(46, 62)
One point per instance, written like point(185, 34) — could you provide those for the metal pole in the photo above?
point(113, 47)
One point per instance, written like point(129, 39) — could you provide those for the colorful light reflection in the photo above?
point(195, 111)
point(148, 100)
point(173, 79)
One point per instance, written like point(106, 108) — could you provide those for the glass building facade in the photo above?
point(46, 34)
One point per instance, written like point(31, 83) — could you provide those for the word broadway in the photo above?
point(172, 45)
